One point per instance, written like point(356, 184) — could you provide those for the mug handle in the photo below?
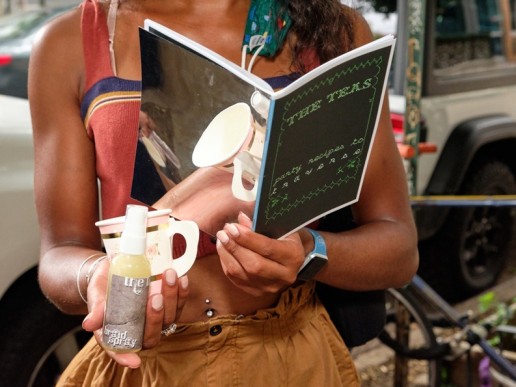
point(190, 231)
point(245, 162)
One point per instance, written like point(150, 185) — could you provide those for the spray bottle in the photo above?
point(128, 286)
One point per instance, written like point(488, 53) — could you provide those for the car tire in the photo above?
point(474, 244)
point(37, 341)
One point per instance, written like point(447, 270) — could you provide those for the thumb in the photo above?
point(97, 290)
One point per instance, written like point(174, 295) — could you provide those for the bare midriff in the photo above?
point(210, 289)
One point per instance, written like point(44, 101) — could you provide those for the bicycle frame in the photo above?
point(472, 335)
point(419, 289)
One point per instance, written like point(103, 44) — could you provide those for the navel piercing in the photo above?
point(210, 312)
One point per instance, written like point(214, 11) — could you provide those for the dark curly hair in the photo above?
point(325, 26)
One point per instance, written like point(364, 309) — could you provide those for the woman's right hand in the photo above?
point(163, 309)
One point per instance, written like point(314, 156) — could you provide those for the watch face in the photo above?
point(314, 263)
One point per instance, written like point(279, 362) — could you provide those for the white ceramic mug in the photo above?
point(234, 142)
point(161, 228)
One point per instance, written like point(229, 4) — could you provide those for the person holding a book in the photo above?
point(245, 314)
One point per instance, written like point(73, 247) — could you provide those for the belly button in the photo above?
point(215, 330)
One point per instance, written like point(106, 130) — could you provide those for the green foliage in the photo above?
point(486, 301)
point(497, 313)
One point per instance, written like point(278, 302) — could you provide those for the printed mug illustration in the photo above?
point(161, 228)
point(234, 141)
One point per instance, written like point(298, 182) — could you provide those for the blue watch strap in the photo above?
point(319, 244)
point(314, 260)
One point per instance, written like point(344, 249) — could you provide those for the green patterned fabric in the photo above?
point(268, 23)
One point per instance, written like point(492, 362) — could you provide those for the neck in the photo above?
point(197, 6)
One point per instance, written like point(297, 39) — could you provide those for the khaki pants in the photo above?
point(293, 344)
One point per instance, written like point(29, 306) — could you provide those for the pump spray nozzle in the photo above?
point(133, 239)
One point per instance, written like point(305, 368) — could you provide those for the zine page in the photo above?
point(319, 143)
point(213, 143)
point(181, 95)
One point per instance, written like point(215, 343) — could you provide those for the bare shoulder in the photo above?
point(361, 28)
point(65, 28)
point(57, 50)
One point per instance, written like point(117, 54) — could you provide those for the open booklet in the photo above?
point(216, 139)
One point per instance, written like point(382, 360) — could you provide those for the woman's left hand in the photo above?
point(255, 263)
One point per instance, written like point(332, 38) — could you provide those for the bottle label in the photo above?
point(124, 320)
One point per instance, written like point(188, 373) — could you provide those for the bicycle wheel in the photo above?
point(409, 333)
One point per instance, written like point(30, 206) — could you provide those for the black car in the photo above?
point(17, 33)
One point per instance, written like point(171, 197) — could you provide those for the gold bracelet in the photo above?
point(78, 280)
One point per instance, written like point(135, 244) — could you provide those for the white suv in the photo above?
point(469, 113)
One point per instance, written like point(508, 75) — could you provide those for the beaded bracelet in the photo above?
point(78, 280)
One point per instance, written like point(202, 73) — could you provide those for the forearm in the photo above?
point(62, 272)
point(376, 255)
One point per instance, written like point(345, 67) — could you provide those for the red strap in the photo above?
point(95, 40)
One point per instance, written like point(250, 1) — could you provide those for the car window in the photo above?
point(468, 36)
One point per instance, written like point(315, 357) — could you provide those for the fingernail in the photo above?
point(242, 214)
point(157, 302)
point(85, 319)
point(184, 282)
point(233, 230)
point(170, 277)
point(222, 237)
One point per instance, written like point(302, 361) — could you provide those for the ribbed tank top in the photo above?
point(110, 110)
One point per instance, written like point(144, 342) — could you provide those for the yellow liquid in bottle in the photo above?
point(124, 321)
point(125, 265)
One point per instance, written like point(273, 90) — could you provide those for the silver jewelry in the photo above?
point(210, 312)
point(93, 267)
point(170, 330)
point(78, 279)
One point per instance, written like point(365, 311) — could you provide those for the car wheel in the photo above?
point(476, 241)
point(37, 341)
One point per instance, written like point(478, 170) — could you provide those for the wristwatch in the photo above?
point(315, 260)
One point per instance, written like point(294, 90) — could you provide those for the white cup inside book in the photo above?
point(161, 229)
point(233, 141)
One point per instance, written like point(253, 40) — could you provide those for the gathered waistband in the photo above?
point(295, 308)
